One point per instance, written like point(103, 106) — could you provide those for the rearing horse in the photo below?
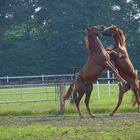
point(98, 60)
point(124, 65)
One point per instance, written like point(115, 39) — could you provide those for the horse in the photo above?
point(98, 60)
point(123, 65)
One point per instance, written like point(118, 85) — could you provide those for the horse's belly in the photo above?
point(126, 71)
point(92, 74)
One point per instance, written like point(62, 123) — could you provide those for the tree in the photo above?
point(39, 36)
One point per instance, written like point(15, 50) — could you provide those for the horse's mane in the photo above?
point(121, 35)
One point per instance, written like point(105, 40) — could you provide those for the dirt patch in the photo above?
point(118, 119)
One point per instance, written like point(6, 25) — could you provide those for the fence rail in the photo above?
point(44, 87)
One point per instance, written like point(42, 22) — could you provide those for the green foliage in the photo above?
point(48, 36)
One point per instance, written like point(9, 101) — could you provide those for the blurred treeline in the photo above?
point(47, 36)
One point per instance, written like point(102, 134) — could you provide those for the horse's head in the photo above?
point(93, 32)
point(110, 31)
point(96, 30)
point(114, 31)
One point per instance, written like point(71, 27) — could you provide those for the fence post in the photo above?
point(108, 77)
point(7, 79)
point(62, 106)
point(109, 94)
point(74, 94)
point(98, 90)
point(43, 78)
point(137, 72)
point(113, 76)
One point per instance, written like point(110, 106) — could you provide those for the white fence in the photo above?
point(43, 87)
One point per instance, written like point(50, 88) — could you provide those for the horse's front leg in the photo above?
point(115, 71)
point(114, 53)
point(87, 98)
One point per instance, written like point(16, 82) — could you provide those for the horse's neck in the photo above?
point(95, 44)
point(116, 42)
point(117, 45)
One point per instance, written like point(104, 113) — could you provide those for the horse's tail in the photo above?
point(133, 100)
point(69, 92)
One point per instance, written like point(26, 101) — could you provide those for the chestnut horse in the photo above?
point(124, 65)
point(98, 60)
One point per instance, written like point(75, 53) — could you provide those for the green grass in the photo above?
point(101, 128)
point(31, 93)
point(102, 105)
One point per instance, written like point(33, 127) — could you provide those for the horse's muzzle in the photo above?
point(106, 34)
point(102, 27)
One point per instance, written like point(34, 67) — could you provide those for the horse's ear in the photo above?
point(114, 26)
point(87, 29)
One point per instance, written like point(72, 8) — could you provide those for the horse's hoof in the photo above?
point(124, 82)
point(112, 114)
point(120, 55)
point(64, 102)
point(92, 116)
point(81, 116)
point(120, 84)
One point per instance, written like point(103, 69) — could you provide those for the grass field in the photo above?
point(104, 104)
point(120, 127)
point(40, 120)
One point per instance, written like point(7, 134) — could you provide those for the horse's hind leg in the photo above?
point(115, 71)
point(135, 89)
point(88, 94)
point(77, 102)
point(122, 90)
